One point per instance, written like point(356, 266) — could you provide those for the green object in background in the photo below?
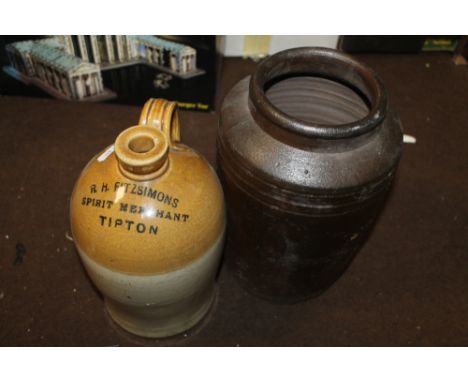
point(443, 43)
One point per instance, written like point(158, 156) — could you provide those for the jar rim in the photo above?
point(319, 62)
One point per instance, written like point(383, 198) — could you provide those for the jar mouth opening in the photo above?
point(141, 144)
point(359, 93)
point(142, 152)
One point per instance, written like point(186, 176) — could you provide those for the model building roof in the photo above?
point(53, 42)
point(22, 46)
point(159, 42)
point(26, 46)
point(59, 59)
point(52, 51)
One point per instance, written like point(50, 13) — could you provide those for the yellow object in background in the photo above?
point(256, 46)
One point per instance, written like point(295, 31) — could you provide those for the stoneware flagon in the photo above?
point(307, 150)
point(148, 220)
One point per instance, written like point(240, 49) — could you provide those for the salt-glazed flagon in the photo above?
point(148, 220)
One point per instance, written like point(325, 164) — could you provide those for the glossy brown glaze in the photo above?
point(307, 151)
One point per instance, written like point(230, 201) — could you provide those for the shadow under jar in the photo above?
point(307, 151)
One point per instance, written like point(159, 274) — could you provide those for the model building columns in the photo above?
point(86, 84)
point(187, 60)
point(114, 49)
point(82, 44)
point(95, 47)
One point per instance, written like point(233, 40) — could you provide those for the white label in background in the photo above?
point(409, 138)
point(106, 153)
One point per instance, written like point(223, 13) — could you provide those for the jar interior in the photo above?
point(141, 144)
point(317, 100)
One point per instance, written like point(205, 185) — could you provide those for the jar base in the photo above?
point(282, 293)
point(282, 300)
point(141, 321)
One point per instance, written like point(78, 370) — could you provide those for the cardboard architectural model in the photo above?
point(69, 67)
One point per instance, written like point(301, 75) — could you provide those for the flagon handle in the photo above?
point(163, 115)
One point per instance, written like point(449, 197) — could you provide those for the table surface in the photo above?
point(407, 286)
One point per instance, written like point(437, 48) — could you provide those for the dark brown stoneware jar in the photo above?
point(307, 151)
